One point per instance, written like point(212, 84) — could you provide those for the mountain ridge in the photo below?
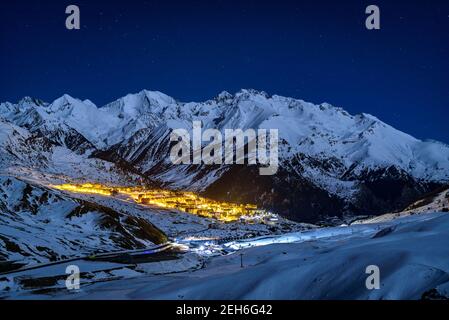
point(346, 158)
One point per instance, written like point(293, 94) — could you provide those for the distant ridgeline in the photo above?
point(327, 162)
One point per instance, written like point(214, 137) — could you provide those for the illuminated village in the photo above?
point(184, 201)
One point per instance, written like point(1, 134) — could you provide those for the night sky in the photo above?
point(319, 51)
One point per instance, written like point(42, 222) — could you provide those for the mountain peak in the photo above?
point(158, 96)
point(64, 100)
point(224, 95)
point(251, 92)
point(27, 100)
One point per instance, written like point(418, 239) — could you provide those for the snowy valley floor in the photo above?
point(411, 253)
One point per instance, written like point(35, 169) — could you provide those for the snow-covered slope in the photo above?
point(319, 264)
point(38, 224)
point(330, 161)
point(17, 145)
point(436, 201)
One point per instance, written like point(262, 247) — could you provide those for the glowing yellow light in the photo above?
point(187, 202)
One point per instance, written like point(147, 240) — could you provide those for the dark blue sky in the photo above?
point(192, 50)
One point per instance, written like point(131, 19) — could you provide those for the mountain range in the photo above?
point(331, 163)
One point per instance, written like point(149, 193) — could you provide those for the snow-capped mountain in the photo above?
point(331, 162)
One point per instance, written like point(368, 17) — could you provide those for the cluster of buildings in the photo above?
point(181, 200)
point(194, 204)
